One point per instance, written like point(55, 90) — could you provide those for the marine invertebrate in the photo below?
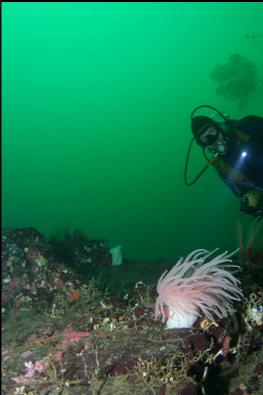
point(237, 80)
point(74, 296)
point(194, 286)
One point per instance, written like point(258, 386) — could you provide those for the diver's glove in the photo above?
point(251, 211)
point(252, 203)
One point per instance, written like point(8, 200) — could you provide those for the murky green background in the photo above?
point(96, 119)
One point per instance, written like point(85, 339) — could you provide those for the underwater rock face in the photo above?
point(54, 343)
point(32, 275)
point(237, 80)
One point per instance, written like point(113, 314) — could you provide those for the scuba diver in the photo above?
point(235, 149)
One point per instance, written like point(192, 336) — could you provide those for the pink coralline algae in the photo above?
point(71, 336)
point(32, 371)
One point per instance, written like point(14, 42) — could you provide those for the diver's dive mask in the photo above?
point(209, 134)
point(216, 139)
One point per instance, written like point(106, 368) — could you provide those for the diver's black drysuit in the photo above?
point(244, 174)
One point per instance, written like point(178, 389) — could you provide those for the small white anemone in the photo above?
point(194, 287)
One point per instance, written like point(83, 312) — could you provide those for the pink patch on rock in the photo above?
point(70, 337)
point(58, 356)
point(59, 282)
point(74, 337)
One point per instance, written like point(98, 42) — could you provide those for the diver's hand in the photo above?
point(252, 203)
point(245, 208)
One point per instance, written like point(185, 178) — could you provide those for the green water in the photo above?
point(96, 119)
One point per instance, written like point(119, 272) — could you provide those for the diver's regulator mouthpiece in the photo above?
point(222, 148)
